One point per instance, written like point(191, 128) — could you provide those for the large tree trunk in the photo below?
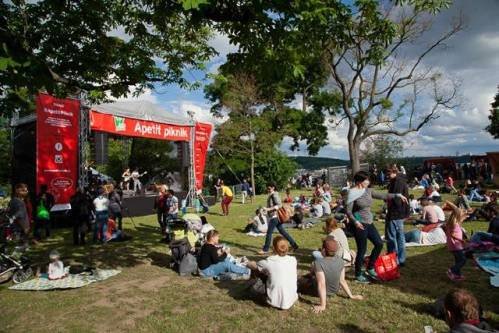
point(354, 152)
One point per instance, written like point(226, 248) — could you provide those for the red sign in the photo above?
point(138, 128)
point(201, 142)
point(57, 128)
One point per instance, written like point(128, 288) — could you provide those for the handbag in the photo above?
point(386, 267)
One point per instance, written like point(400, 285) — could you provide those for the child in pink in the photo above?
point(455, 242)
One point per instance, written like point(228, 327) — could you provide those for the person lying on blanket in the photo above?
point(430, 234)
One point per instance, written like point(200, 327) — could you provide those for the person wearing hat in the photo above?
point(326, 276)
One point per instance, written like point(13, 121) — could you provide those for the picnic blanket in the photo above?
point(71, 281)
point(489, 262)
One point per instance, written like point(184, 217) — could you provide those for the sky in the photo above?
point(472, 57)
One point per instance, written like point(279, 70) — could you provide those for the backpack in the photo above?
point(179, 248)
point(41, 212)
point(188, 265)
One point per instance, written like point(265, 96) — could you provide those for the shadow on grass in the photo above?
point(425, 274)
point(351, 328)
point(241, 291)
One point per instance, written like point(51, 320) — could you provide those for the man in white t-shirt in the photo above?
point(282, 275)
point(172, 205)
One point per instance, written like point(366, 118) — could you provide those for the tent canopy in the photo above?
point(142, 110)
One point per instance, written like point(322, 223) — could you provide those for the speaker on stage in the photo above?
point(24, 155)
point(101, 148)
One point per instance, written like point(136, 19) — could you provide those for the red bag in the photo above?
point(386, 267)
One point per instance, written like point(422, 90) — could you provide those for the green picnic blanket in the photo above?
point(69, 282)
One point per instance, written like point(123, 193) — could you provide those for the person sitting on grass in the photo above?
point(428, 213)
point(317, 210)
point(213, 259)
point(257, 224)
point(462, 313)
point(492, 234)
point(415, 207)
point(455, 241)
point(462, 200)
point(332, 229)
point(280, 274)
point(326, 275)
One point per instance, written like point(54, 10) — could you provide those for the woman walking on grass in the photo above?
point(273, 205)
point(359, 202)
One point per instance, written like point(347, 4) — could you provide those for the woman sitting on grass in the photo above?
point(213, 259)
point(326, 275)
point(332, 229)
point(257, 224)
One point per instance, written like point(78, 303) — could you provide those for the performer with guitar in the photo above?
point(125, 184)
point(137, 185)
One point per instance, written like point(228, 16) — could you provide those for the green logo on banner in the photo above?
point(119, 124)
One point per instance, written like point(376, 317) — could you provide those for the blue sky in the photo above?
point(472, 56)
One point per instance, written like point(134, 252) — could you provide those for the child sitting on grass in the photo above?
point(455, 241)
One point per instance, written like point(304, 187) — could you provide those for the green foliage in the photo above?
point(118, 155)
point(5, 155)
point(493, 127)
point(382, 150)
point(152, 156)
point(95, 46)
point(273, 167)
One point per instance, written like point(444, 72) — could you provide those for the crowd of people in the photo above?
point(276, 277)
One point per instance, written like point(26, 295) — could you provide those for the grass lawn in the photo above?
point(149, 297)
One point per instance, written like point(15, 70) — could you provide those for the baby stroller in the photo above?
point(176, 229)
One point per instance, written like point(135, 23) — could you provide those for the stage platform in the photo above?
point(142, 205)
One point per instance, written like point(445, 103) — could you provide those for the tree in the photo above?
point(380, 90)
point(100, 47)
point(493, 127)
point(248, 131)
point(292, 47)
point(382, 150)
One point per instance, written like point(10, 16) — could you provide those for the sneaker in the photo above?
point(362, 279)
point(262, 252)
point(452, 276)
point(372, 274)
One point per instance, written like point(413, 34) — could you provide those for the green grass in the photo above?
point(149, 297)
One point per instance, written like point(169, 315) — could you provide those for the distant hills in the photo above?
point(315, 163)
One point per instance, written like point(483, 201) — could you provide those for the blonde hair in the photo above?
point(455, 218)
point(280, 246)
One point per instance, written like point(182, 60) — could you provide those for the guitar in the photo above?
point(127, 178)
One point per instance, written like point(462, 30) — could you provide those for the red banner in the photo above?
point(57, 128)
point(137, 128)
point(201, 143)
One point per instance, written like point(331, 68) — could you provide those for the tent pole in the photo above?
point(191, 193)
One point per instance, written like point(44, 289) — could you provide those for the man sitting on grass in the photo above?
point(326, 275)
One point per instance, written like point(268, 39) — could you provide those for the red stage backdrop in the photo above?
point(57, 129)
point(137, 128)
point(201, 143)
